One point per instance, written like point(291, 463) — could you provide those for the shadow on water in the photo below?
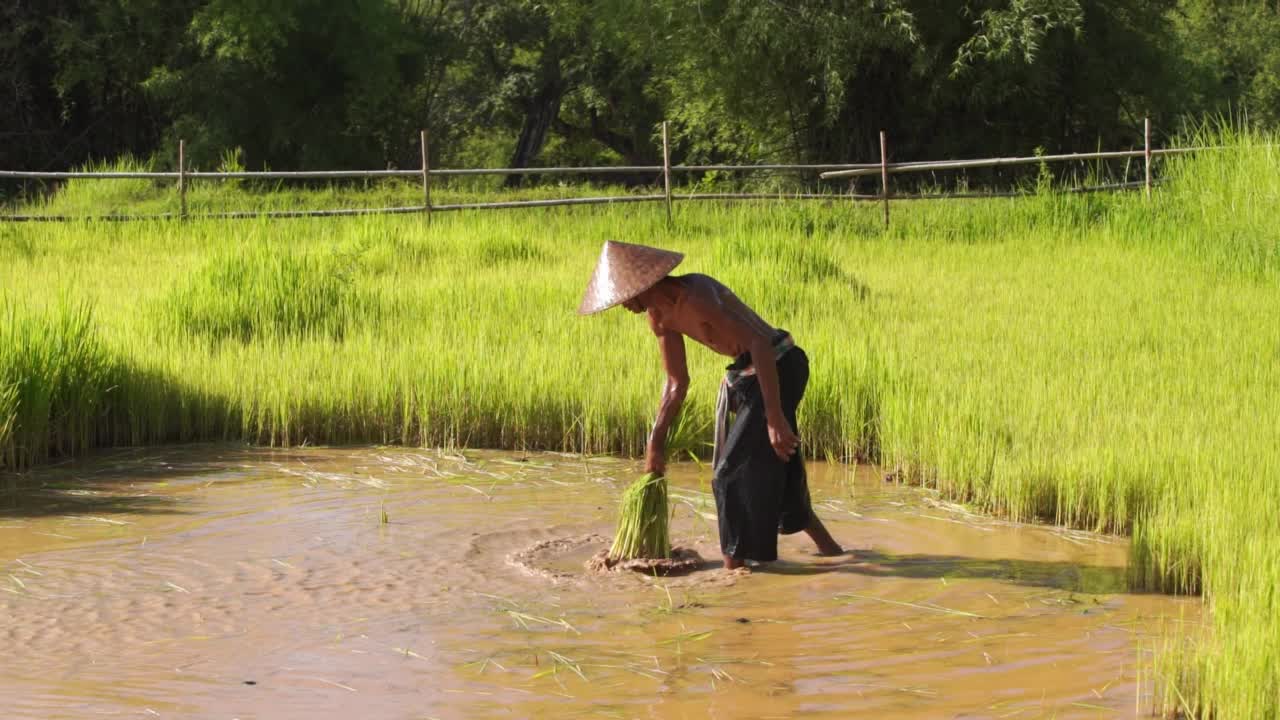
point(43, 502)
point(1072, 577)
point(101, 483)
point(125, 480)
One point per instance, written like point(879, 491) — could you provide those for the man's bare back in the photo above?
point(697, 306)
point(704, 309)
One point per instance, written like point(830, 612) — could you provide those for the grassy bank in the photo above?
point(1101, 362)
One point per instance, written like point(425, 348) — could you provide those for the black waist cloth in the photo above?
point(757, 494)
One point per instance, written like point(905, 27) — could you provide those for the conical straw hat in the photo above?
point(623, 272)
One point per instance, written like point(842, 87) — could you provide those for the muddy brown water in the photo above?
point(223, 582)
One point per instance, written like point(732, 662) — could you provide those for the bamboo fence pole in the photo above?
point(426, 175)
point(182, 178)
point(666, 170)
point(884, 176)
point(1146, 152)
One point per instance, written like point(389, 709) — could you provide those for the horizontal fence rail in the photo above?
point(456, 172)
point(1000, 162)
point(25, 175)
point(662, 173)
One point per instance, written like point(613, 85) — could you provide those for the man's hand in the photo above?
point(655, 463)
point(784, 440)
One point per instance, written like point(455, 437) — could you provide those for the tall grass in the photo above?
point(1095, 361)
point(8, 413)
point(1214, 525)
point(262, 291)
point(54, 380)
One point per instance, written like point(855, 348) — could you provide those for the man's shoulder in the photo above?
point(700, 283)
point(695, 278)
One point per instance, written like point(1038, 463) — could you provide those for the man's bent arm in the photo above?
point(766, 366)
point(673, 393)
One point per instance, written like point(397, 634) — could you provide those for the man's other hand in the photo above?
point(784, 440)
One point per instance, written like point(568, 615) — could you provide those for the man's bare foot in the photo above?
point(827, 545)
point(731, 563)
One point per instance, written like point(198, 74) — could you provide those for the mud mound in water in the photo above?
point(682, 561)
point(566, 558)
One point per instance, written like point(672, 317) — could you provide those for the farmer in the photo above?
point(759, 476)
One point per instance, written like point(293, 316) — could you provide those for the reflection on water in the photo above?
point(377, 582)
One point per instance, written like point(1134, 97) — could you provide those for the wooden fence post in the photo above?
point(884, 176)
point(182, 179)
point(426, 175)
point(1146, 152)
point(666, 170)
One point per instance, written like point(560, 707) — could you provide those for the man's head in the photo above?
point(626, 274)
point(641, 302)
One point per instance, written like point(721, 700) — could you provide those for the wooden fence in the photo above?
point(425, 173)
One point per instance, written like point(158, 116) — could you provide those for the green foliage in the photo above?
point(1019, 31)
point(72, 73)
point(1233, 47)
point(302, 84)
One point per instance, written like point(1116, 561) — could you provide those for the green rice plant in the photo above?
point(643, 520)
point(8, 413)
point(259, 293)
point(17, 245)
point(55, 377)
point(492, 251)
point(117, 196)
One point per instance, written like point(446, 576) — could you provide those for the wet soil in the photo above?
point(221, 582)
point(682, 562)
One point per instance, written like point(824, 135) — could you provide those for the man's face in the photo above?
point(634, 305)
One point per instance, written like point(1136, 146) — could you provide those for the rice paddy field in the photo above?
point(1104, 363)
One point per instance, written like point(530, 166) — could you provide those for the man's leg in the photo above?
point(827, 545)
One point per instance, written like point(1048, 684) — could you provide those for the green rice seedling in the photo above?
point(8, 412)
point(121, 196)
point(55, 376)
point(643, 520)
point(265, 292)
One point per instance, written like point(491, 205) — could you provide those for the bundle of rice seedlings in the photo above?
point(642, 521)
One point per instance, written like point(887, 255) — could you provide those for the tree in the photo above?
point(319, 84)
point(1235, 50)
point(296, 83)
point(71, 73)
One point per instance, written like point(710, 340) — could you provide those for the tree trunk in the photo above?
point(541, 111)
